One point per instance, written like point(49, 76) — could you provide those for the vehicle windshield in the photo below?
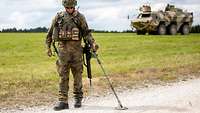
point(146, 15)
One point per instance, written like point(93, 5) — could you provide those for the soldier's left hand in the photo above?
point(95, 47)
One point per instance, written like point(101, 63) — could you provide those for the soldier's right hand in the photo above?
point(49, 52)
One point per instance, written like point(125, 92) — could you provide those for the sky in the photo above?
point(100, 14)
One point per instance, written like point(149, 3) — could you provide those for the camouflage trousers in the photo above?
point(70, 58)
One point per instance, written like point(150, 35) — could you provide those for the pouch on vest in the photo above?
point(71, 35)
point(75, 34)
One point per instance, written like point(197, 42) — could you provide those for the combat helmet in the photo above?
point(69, 3)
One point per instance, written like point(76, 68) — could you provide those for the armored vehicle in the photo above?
point(171, 21)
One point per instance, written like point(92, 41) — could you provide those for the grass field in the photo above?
point(27, 75)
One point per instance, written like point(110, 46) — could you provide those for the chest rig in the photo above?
point(66, 28)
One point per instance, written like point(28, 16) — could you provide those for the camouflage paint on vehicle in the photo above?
point(170, 21)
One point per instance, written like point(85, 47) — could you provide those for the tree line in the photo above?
point(194, 29)
point(44, 30)
point(31, 30)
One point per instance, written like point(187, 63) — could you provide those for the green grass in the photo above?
point(125, 52)
point(25, 68)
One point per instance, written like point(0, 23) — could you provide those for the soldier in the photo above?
point(68, 28)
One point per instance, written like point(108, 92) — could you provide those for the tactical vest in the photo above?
point(65, 28)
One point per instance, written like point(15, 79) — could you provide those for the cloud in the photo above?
point(101, 14)
point(110, 15)
point(27, 13)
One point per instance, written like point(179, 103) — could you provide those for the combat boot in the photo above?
point(78, 103)
point(61, 106)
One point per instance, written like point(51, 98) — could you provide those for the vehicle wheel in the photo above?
point(185, 30)
point(141, 32)
point(162, 29)
point(173, 29)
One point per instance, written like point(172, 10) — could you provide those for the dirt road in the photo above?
point(181, 97)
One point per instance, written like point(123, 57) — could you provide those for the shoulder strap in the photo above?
point(76, 19)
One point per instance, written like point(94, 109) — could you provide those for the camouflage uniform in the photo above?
point(71, 29)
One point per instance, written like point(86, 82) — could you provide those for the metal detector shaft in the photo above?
point(90, 85)
point(109, 82)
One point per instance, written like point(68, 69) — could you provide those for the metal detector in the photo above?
point(120, 107)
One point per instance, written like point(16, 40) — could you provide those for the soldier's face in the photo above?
point(70, 10)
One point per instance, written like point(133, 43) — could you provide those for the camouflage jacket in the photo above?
point(79, 20)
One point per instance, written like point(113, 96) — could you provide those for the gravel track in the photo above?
point(180, 97)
